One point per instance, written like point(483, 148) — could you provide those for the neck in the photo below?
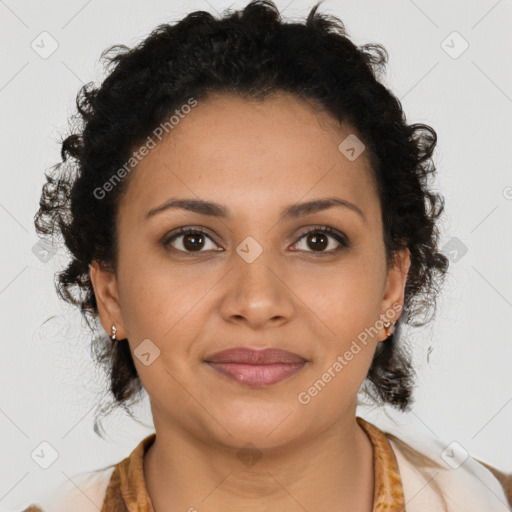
point(333, 471)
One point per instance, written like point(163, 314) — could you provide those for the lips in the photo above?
point(256, 368)
point(252, 356)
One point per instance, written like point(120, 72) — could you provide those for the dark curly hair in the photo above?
point(252, 53)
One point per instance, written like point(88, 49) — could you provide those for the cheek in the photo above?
point(166, 308)
point(153, 310)
point(349, 298)
point(348, 305)
point(154, 295)
point(161, 322)
point(333, 386)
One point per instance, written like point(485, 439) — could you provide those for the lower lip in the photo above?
point(257, 375)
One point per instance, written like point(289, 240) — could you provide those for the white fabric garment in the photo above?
point(471, 487)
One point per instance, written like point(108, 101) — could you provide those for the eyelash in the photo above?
point(340, 238)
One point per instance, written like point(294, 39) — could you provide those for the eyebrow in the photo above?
point(292, 211)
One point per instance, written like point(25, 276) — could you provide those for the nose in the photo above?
point(257, 293)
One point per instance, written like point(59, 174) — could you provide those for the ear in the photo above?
point(393, 300)
point(104, 283)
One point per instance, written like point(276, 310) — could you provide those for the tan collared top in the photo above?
point(127, 489)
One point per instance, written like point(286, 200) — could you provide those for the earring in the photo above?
point(113, 335)
point(387, 325)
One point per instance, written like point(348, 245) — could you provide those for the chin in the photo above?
point(267, 426)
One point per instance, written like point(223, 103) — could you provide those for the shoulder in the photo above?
point(85, 492)
point(435, 471)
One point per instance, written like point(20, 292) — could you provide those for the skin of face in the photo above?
point(255, 158)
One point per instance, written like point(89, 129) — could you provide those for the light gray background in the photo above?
point(48, 383)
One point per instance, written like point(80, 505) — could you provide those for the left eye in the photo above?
point(193, 240)
point(319, 236)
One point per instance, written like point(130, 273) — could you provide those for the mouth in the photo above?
point(256, 368)
point(257, 375)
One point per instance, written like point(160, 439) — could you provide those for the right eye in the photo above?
point(190, 240)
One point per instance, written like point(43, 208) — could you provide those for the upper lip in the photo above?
point(253, 356)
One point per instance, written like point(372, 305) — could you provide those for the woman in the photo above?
point(251, 222)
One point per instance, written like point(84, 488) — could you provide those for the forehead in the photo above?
point(235, 151)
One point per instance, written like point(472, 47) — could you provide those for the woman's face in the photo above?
point(251, 278)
